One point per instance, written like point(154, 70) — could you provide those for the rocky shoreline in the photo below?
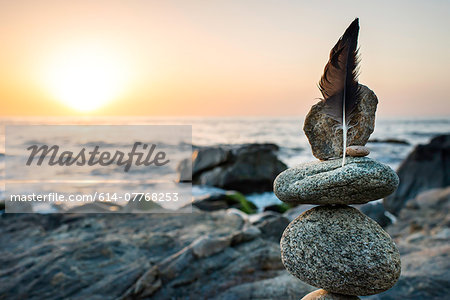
point(219, 255)
point(222, 253)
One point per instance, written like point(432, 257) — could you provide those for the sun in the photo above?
point(86, 77)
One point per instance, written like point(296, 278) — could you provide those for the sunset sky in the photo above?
point(215, 58)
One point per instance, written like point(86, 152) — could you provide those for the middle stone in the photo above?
point(326, 182)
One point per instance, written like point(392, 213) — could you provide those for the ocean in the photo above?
point(286, 132)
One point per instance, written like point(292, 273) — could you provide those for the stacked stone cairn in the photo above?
point(333, 246)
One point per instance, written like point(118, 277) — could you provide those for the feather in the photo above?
point(339, 82)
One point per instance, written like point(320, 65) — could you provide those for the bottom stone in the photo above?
point(324, 295)
point(339, 249)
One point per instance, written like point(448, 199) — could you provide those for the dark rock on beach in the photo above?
point(426, 167)
point(246, 168)
point(389, 141)
point(207, 158)
point(324, 136)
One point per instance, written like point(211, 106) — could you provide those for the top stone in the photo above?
point(326, 140)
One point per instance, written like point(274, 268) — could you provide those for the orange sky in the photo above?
point(222, 57)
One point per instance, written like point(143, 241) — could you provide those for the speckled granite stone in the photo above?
point(326, 139)
point(339, 249)
point(361, 180)
point(324, 295)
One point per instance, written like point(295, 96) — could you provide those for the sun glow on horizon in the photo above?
point(86, 78)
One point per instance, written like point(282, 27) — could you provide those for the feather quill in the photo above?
point(339, 82)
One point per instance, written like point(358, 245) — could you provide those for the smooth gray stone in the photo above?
point(361, 180)
point(324, 295)
point(339, 249)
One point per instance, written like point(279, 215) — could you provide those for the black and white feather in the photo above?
point(339, 82)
